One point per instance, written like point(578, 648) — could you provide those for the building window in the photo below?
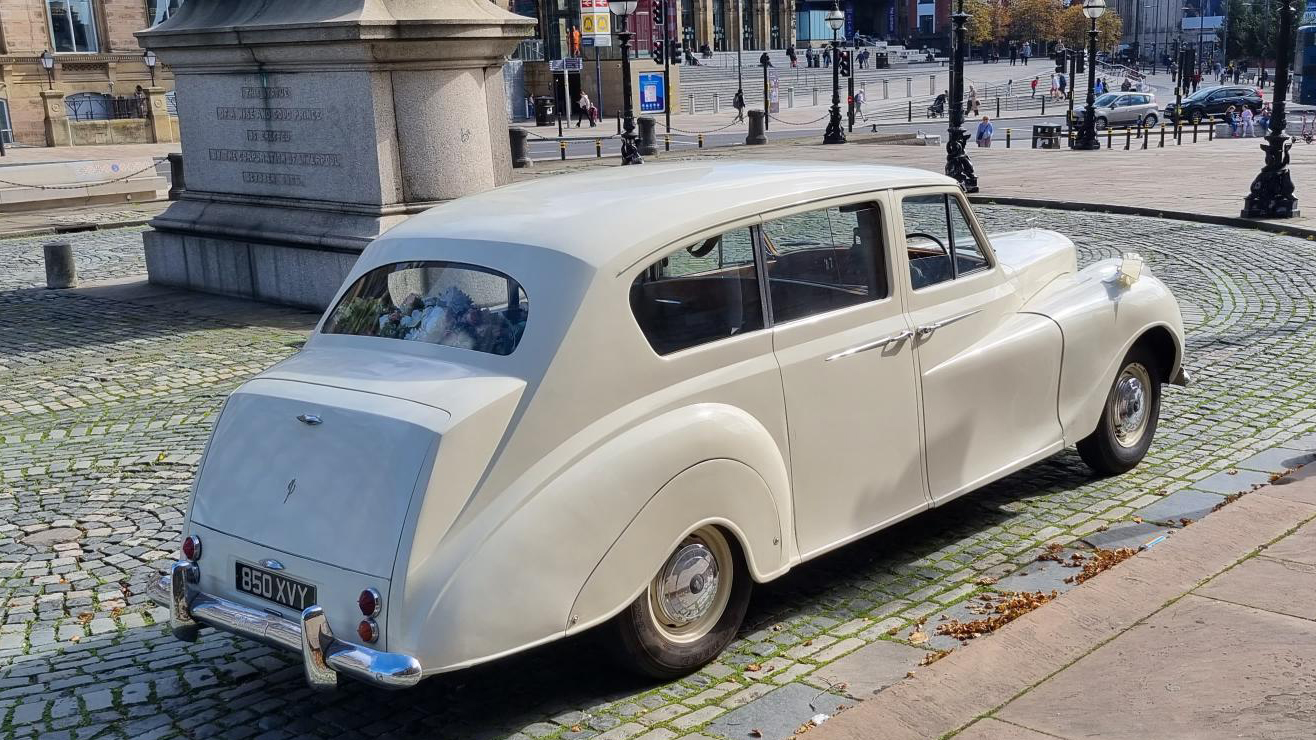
point(72, 25)
point(6, 128)
point(159, 11)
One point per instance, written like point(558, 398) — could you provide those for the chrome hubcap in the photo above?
point(692, 588)
point(1129, 405)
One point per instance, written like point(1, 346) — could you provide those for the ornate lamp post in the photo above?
point(1272, 191)
point(1087, 133)
point(834, 133)
point(958, 164)
point(630, 154)
point(148, 56)
point(48, 63)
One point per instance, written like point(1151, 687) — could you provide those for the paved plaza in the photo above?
point(106, 403)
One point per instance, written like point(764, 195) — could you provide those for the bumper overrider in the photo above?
point(323, 655)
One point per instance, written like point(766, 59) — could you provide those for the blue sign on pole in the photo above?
point(653, 92)
point(849, 21)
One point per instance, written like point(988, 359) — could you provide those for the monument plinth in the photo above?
point(309, 128)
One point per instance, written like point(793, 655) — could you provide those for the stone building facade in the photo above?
point(97, 59)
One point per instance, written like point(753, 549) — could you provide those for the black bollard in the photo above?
point(60, 271)
point(517, 137)
point(756, 132)
point(176, 184)
point(648, 144)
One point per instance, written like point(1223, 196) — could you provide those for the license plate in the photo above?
point(274, 587)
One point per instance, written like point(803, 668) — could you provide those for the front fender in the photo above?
point(513, 582)
point(1100, 321)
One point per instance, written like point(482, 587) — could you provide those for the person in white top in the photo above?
point(1248, 131)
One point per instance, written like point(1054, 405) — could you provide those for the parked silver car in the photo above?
point(1123, 109)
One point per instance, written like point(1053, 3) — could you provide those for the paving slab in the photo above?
point(1277, 460)
point(867, 671)
point(1275, 585)
point(1299, 547)
point(1130, 534)
point(1225, 482)
point(994, 729)
point(1186, 503)
point(1157, 681)
point(1306, 443)
point(777, 715)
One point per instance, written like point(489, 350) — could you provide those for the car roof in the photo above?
point(617, 215)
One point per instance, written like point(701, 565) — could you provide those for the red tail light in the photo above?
point(370, 602)
point(192, 548)
point(368, 631)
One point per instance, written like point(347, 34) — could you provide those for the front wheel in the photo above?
point(1128, 422)
point(1195, 117)
point(1101, 123)
point(691, 609)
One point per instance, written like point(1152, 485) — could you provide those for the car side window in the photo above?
point(939, 240)
point(824, 260)
point(699, 293)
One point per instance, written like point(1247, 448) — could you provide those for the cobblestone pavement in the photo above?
point(105, 407)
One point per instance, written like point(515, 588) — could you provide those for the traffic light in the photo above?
point(1082, 60)
point(1060, 61)
point(656, 50)
point(675, 54)
point(844, 61)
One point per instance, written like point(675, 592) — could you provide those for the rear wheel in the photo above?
point(1128, 422)
point(691, 609)
point(1101, 123)
point(1150, 120)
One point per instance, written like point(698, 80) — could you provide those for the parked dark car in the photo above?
point(1212, 102)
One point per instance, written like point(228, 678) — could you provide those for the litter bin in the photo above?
point(545, 114)
point(1046, 136)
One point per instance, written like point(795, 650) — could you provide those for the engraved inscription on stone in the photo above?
point(266, 93)
point(268, 135)
point(235, 113)
point(296, 159)
point(273, 178)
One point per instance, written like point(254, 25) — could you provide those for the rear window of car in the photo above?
point(445, 303)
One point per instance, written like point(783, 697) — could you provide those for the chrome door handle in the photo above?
point(893, 339)
point(927, 329)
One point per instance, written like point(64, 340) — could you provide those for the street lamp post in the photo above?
point(630, 154)
point(48, 62)
point(1087, 134)
point(834, 133)
point(958, 164)
point(1272, 191)
point(148, 56)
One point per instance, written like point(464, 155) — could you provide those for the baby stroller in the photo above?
point(938, 107)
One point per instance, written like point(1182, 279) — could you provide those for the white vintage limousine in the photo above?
point(620, 398)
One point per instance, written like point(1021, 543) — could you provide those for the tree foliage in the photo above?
point(980, 26)
point(1033, 20)
point(1253, 29)
point(1072, 28)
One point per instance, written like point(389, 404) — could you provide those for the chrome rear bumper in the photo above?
point(1181, 378)
point(323, 656)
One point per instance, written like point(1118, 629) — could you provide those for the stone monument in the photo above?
point(309, 127)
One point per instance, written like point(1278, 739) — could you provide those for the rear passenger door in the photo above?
point(845, 349)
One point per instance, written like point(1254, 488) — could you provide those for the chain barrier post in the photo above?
point(1007, 138)
point(562, 149)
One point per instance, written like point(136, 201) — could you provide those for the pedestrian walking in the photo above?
point(1014, 54)
point(738, 102)
point(1265, 77)
point(1263, 120)
point(985, 131)
point(1009, 88)
point(584, 109)
point(1247, 117)
point(1033, 85)
point(1055, 85)
point(1026, 52)
point(1063, 82)
point(790, 54)
point(859, 98)
point(1197, 79)
point(827, 57)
